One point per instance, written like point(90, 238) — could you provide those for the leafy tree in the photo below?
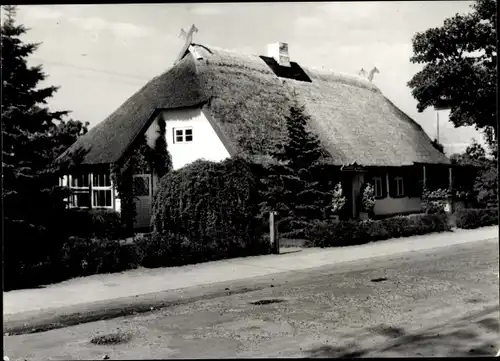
point(292, 187)
point(460, 68)
point(485, 181)
point(32, 136)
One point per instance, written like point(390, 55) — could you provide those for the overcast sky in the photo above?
point(101, 54)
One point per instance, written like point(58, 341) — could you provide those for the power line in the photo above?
point(92, 69)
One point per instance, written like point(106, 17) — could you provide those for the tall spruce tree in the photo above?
point(33, 136)
point(293, 188)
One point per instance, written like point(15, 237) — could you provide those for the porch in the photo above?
point(398, 190)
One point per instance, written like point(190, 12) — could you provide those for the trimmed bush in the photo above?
point(87, 256)
point(352, 232)
point(470, 218)
point(212, 207)
point(98, 223)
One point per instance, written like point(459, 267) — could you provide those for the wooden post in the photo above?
point(450, 181)
point(273, 233)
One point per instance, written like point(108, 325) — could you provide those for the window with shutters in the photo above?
point(379, 187)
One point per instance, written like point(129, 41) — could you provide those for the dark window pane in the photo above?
point(141, 186)
point(82, 199)
point(80, 180)
point(178, 132)
point(106, 180)
point(189, 138)
point(102, 198)
point(189, 131)
point(178, 139)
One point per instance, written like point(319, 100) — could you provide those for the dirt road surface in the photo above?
point(442, 302)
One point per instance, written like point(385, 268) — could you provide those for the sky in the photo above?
point(100, 55)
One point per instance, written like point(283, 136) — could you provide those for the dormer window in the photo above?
point(183, 135)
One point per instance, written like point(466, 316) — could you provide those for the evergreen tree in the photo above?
point(292, 187)
point(33, 136)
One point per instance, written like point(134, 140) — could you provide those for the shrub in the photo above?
point(104, 224)
point(367, 198)
point(353, 232)
point(155, 251)
point(338, 199)
point(212, 207)
point(86, 256)
point(434, 202)
point(475, 218)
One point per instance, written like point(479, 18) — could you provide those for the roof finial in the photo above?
point(188, 37)
point(372, 73)
point(362, 73)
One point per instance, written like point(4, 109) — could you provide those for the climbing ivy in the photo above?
point(141, 159)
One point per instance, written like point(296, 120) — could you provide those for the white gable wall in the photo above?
point(205, 145)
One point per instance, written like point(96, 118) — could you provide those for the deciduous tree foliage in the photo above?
point(32, 137)
point(459, 70)
point(485, 185)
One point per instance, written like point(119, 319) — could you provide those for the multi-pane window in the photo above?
point(80, 180)
point(81, 186)
point(80, 197)
point(399, 191)
point(101, 190)
point(183, 135)
point(378, 185)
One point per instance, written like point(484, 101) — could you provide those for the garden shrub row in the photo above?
point(470, 218)
point(85, 256)
point(203, 212)
point(349, 233)
point(99, 223)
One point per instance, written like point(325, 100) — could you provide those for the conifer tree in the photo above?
point(33, 136)
point(293, 187)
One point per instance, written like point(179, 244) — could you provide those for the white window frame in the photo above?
point(90, 189)
point(77, 190)
point(183, 135)
point(400, 187)
point(95, 188)
point(379, 193)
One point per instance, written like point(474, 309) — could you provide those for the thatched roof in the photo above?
point(246, 99)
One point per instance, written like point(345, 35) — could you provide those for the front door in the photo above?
point(143, 200)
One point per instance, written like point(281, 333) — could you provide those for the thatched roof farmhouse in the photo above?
point(242, 99)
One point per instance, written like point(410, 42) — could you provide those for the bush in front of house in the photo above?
point(353, 232)
point(367, 198)
point(82, 256)
point(98, 223)
point(212, 207)
point(469, 218)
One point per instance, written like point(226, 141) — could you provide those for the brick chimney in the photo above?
point(279, 51)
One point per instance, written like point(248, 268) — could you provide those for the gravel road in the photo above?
point(442, 302)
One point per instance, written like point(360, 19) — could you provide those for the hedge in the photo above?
point(470, 218)
point(98, 223)
point(212, 207)
point(348, 233)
